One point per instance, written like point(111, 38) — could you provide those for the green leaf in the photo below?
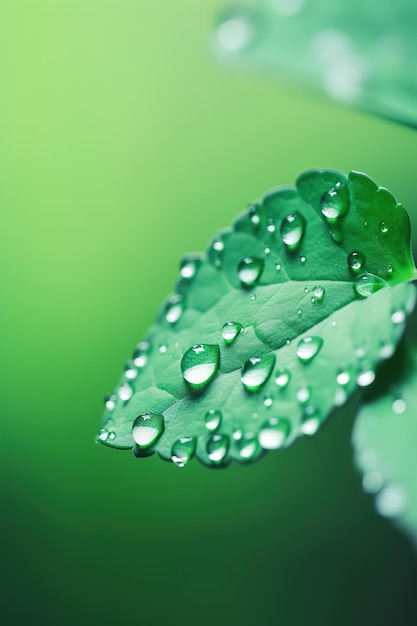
point(287, 315)
point(385, 443)
point(359, 54)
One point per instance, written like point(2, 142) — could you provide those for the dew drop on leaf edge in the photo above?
point(147, 428)
point(217, 448)
point(183, 451)
point(274, 433)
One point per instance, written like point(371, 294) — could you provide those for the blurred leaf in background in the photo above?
point(360, 53)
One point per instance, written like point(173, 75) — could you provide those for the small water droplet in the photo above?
point(248, 446)
point(271, 225)
point(389, 268)
point(267, 250)
point(303, 395)
point(391, 501)
point(130, 370)
point(318, 294)
point(200, 364)
point(335, 202)
point(306, 290)
point(217, 448)
point(398, 316)
point(282, 378)
point(387, 349)
point(112, 436)
point(292, 230)
point(237, 434)
point(399, 406)
point(268, 401)
point(183, 451)
point(125, 392)
point(278, 267)
point(189, 266)
point(174, 309)
point(103, 434)
point(140, 354)
point(310, 421)
point(249, 270)
point(340, 396)
point(299, 312)
point(213, 419)
point(274, 433)
point(147, 428)
point(216, 252)
point(308, 348)
point(372, 482)
point(110, 401)
point(383, 227)
point(302, 259)
point(356, 261)
point(254, 215)
point(365, 376)
point(343, 376)
point(230, 331)
point(162, 348)
point(367, 284)
point(252, 296)
point(256, 371)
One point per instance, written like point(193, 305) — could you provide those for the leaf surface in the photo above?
point(288, 313)
point(385, 443)
point(361, 54)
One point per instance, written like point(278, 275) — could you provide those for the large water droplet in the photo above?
point(274, 433)
point(141, 353)
point(247, 446)
point(256, 371)
point(147, 428)
point(200, 364)
point(110, 401)
point(367, 284)
point(213, 419)
point(310, 421)
point(356, 261)
point(183, 451)
point(125, 392)
point(282, 378)
point(217, 448)
point(308, 347)
point(189, 266)
point(335, 202)
point(174, 309)
point(292, 230)
point(249, 270)
point(230, 331)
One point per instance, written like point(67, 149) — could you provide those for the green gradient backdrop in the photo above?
point(123, 146)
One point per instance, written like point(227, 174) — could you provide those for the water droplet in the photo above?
point(367, 284)
point(216, 252)
point(306, 290)
point(217, 448)
point(200, 364)
point(292, 230)
point(271, 226)
point(343, 376)
point(340, 396)
point(278, 267)
point(267, 250)
point(308, 347)
point(282, 378)
point(372, 482)
point(213, 419)
point(254, 215)
point(174, 309)
point(399, 406)
point(140, 355)
point(249, 270)
point(110, 401)
point(247, 446)
point(230, 331)
point(103, 434)
point(274, 433)
point(387, 349)
point(183, 451)
point(335, 202)
point(303, 395)
point(130, 370)
point(383, 227)
point(237, 434)
point(235, 33)
point(299, 312)
point(302, 259)
point(189, 266)
point(162, 348)
point(125, 392)
point(356, 261)
point(311, 421)
point(256, 371)
point(391, 501)
point(398, 317)
point(112, 436)
point(365, 376)
point(389, 268)
point(268, 401)
point(318, 294)
point(147, 428)
point(252, 296)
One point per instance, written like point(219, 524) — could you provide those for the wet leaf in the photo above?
point(287, 315)
point(359, 54)
point(385, 441)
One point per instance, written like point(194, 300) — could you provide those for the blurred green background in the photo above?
point(123, 146)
